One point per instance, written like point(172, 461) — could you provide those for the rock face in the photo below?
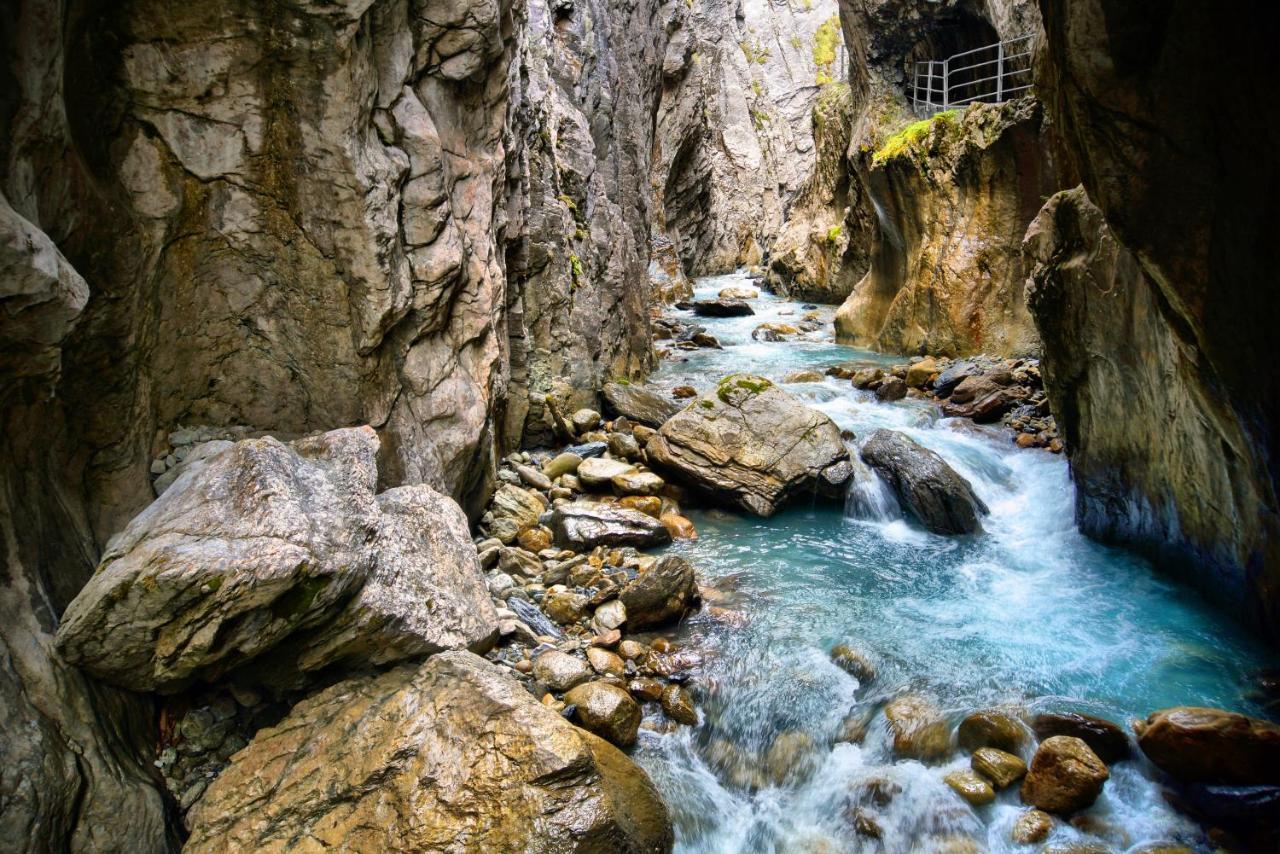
point(270, 542)
point(1065, 776)
point(1198, 745)
point(734, 135)
point(451, 756)
point(946, 273)
point(752, 444)
point(1183, 483)
point(1148, 125)
point(927, 488)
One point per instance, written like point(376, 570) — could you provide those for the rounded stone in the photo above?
point(992, 728)
point(1065, 776)
point(560, 671)
point(970, 786)
point(1031, 827)
point(1001, 768)
point(679, 706)
point(606, 710)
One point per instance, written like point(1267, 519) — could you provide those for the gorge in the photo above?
point(646, 406)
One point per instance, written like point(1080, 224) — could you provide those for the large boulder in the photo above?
point(1103, 737)
point(722, 308)
point(918, 728)
point(1065, 776)
point(639, 404)
point(270, 541)
point(584, 525)
point(451, 756)
point(660, 594)
point(983, 398)
point(752, 444)
point(927, 488)
point(606, 710)
point(1199, 745)
point(512, 510)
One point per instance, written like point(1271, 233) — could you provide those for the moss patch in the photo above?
point(904, 140)
point(826, 41)
point(753, 385)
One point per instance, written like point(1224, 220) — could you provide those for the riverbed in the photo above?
point(1028, 614)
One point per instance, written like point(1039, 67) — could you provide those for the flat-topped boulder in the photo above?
point(451, 756)
point(279, 545)
point(584, 525)
point(750, 444)
point(722, 308)
point(638, 403)
point(926, 487)
point(1202, 745)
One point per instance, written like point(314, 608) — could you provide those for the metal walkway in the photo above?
point(991, 74)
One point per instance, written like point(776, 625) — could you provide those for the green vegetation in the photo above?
point(754, 385)
point(298, 600)
point(575, 266)
point(833, 234)
point(754, 53)
point(825, 43)
point(707, 404)
point(905, 139)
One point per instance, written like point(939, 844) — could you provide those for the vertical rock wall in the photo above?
point(734, 141)
point(1159, 113)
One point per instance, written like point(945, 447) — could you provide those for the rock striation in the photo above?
point(450, 756)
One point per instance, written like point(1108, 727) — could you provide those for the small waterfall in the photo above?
point(869, 497)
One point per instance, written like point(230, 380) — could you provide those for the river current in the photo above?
point(1029, 613)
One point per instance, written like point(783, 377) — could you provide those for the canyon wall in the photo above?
point(1158, 114)
point(734, 140)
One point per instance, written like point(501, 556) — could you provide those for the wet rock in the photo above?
point(1065, 776)
point(678, 705)
point(660, 594)
point(975, 790)
point(534, 540)
point(600, 471)
point(585, 525)
point(513, 509)
point(638, 483)
point(773, 332)
point(638, 403)
point(891, 388)
point(611, 614)
point(732, 293)
point(803, 377)
point(680, 527)
point(560, 671)
point(866, 377)
point(982, 398)
point(749, 443)
point(704, 339)
point(684, 392)
point(920, 373)
point(649, 505)
point(1202, 745)
point(992, 728)
point(519, 562)
point(854, 727)
point(918, 728)
point(624, 446)
point(1104, 738)
point(421, 758)
point(270, 541)
point(953, 376)
point(790, 757)
point(632, 649)
point(853, 662)
point(646, 688)
point(1001, 768)
point(604, 662)
point(584, 420)
point(1031, 827)
point(533, 477)
point(722, 308)
point(606, 710)
point(564, 606)
point(564, 463)
point(587, 450)
point(926, 487)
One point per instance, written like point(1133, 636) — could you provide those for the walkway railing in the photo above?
point(991, 74)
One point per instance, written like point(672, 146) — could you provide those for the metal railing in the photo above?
point(992, 74)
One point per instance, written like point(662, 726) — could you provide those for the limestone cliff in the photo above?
point(953, 197)
point(733, 142)
point(1157, 114)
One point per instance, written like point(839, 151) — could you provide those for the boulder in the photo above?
point(926, 487)
point(853, 662)
point(533, 477)
point(970, 786)
point(585, 525)
point(678, 705)
point(891, 388)
point(738, 293)
point(605, 662)
point(606, 710)
point(1001, 768)
point(722, 308)
point(564, 463)
point(992, 728)
point(1065, 776)
point(918, 728)
point(919, 373)
point(803, 377)
point(584, 420)
point(1031, 827)
point(947, 381)
point(512, 510)
point(1103, 737)
point(610, 615)
point(560, 671)
point(269, 541)
point(790, 756)
point(751, 444)
point(866, 377)
point(637, 483)
point(600, 471)
point(451, 756)
point(680, 527)
point(1201, 745)
point(660, 594)
point(638, 403)
point(983, 398)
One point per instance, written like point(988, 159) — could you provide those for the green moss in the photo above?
point(833, 234)
point(214, 583)
point(754, 53)
point(826, 41)
point(575, 267)
point(707, 404)
point(298, 600)
point(754, 385)
point(568, 202)
point(905, 139)
point(621, 381)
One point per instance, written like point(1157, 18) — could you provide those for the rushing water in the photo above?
point(1029, 613)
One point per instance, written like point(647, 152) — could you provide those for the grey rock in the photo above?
point(926, 487)
point(639, 403)
point(749, 443)
point(513, 509)
point(722, 308)
point(560, 671)
point(660, 594)
point(585, 525)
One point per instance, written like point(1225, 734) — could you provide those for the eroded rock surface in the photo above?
point(450, 756)
point(752, 444)
point(926, 487)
